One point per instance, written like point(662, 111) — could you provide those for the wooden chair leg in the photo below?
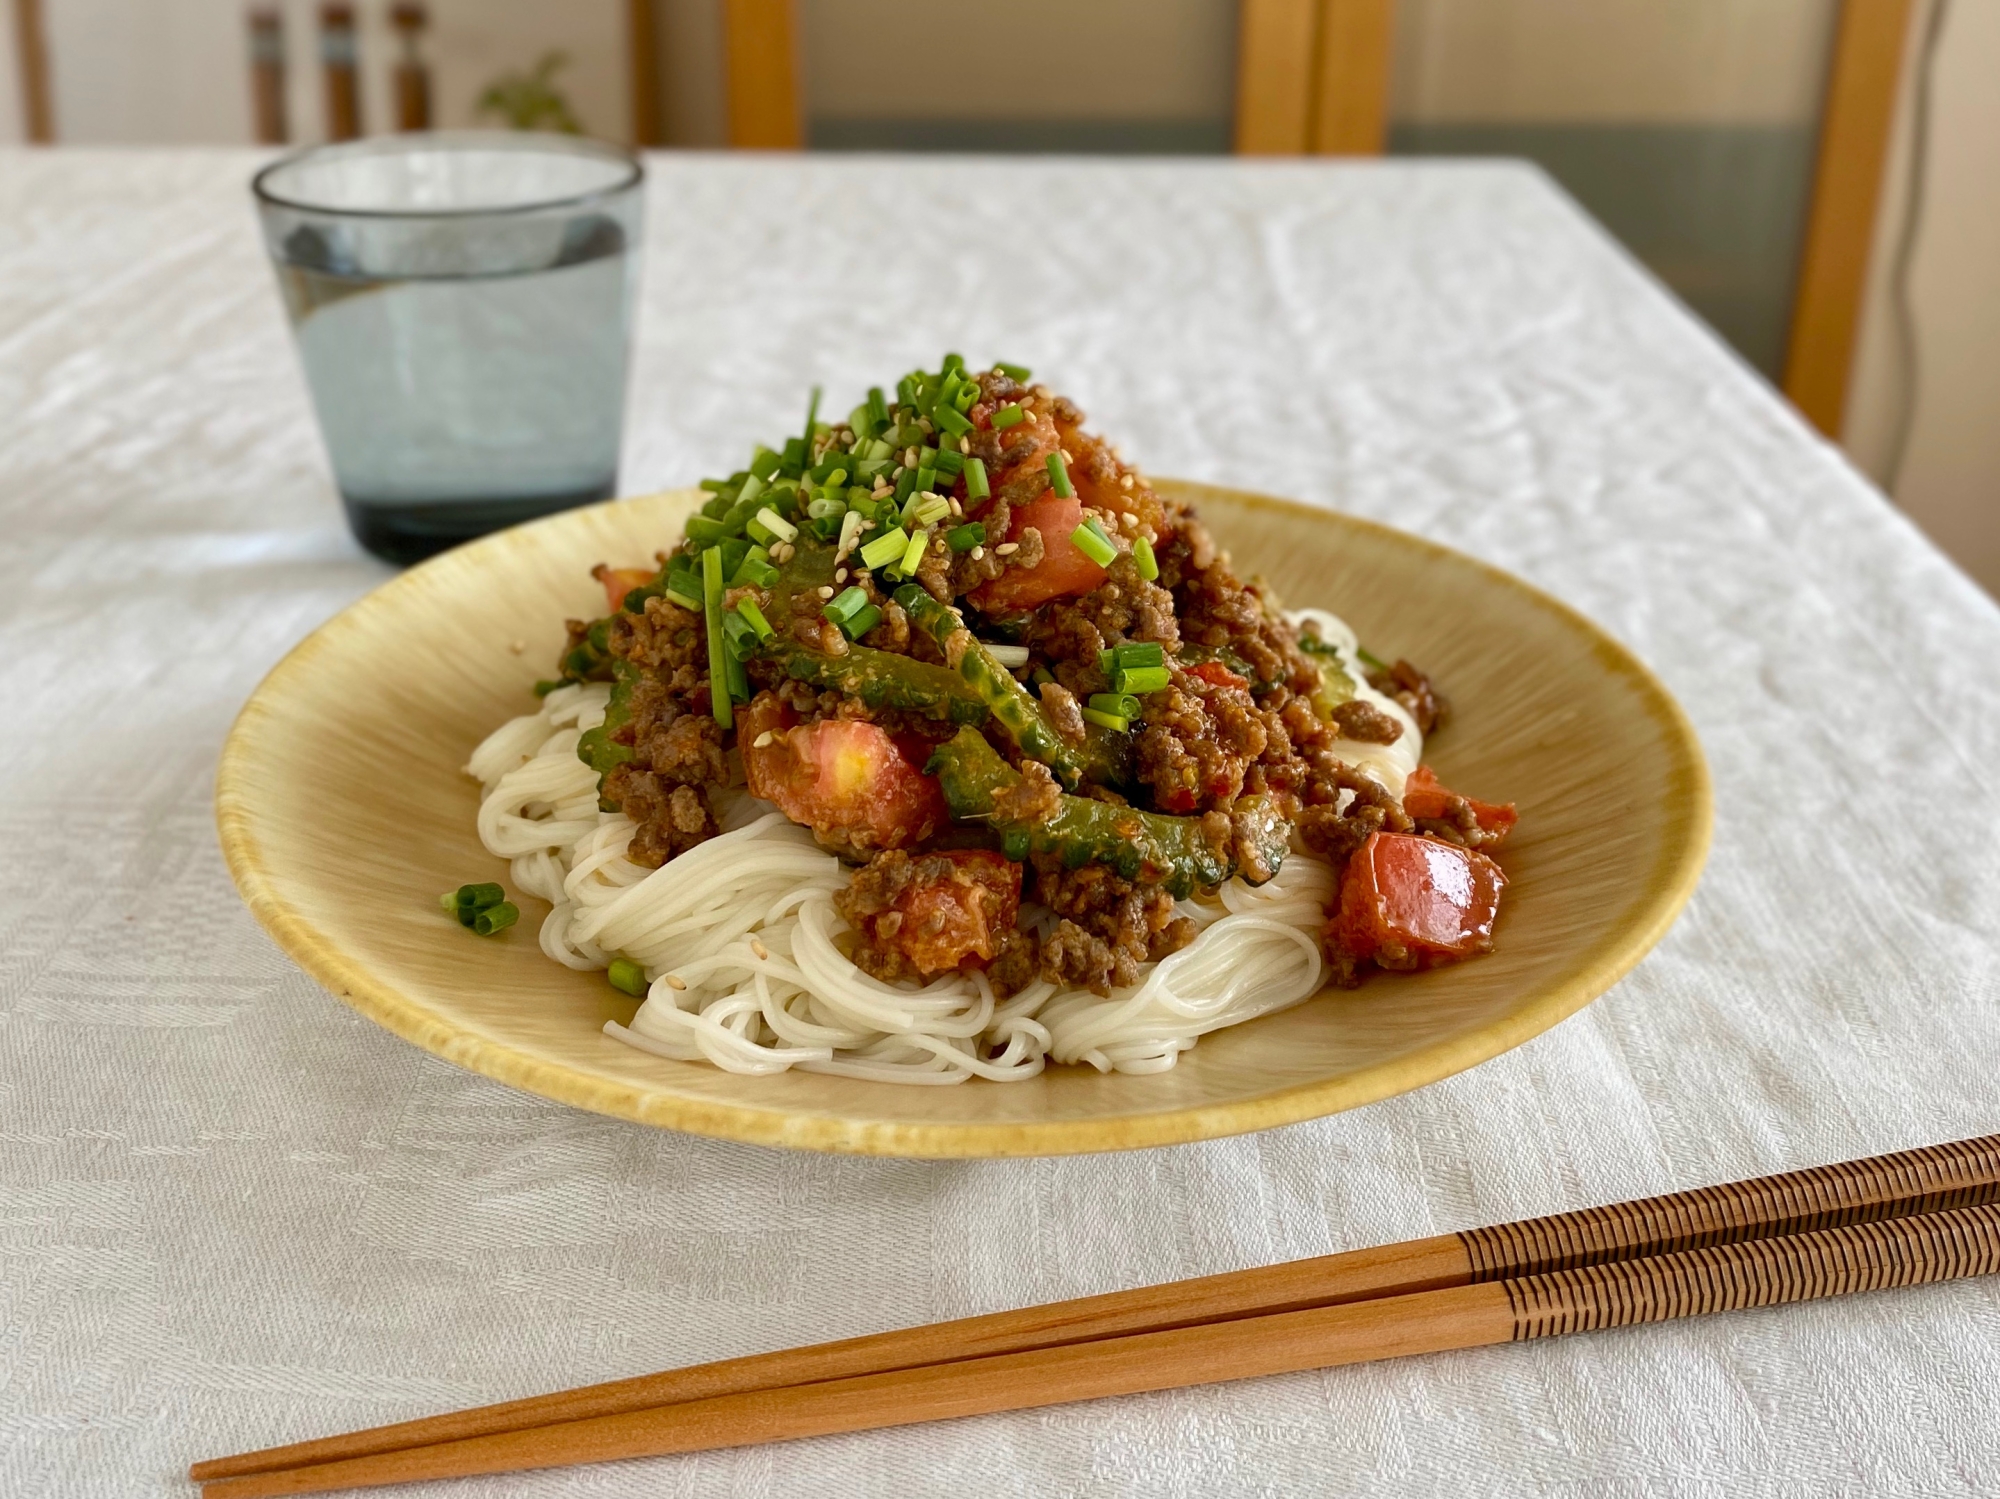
point(761, 73)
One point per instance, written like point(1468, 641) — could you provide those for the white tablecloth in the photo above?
point(232, 1212)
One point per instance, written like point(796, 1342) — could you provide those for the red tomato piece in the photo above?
point(1423, 796)
point(619, 581)
point(1411, 902)
point(1216, 674)
point(844, 779)
point(957, 910)
point(1063, 569)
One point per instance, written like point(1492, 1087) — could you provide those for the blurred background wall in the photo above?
point(1690, 128)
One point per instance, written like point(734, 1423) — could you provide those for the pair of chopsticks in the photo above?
point(1905, 1219)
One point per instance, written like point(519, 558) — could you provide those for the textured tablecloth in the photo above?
point(232, 1212)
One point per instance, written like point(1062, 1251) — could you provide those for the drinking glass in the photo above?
point(462, 303)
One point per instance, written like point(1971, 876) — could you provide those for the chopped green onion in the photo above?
point(864, 620)
point(823, 509)
point(739, 636)
point(766, 463)
point(775, 523)
point(496, 919)
point(752, 487)
point(812, 421)
point(627, 977)
point(914, 552)
point(737, 678)
point(1041, 676)
point(1141, 679)
point(1092, 544)
point(688, 601)
point(952, 420)
point(843, 606)
point(963, 397)
point(975, 479)
point(1140, 653)
point(863, 423)
point(1370, 660)
point(1117, 704)
point(712, 485)
point(757, 533)
point(449, 901)
point(754, 569)
point(931, 507)
point(906, 484)
point(749, 610)
point(1009, 656)
point(1014, 371)
point(1142, 557)
point(884, 549)
point(850, 529)
point(953, 362)
point(1059, 477)
point(545, 687)
point(965, 538)
point(795, 453)
point(711, 598)
point(878, 406)
point(706, 532)
point(467, 901)
point(950, 463)
point(1008, 416)
point(1106, 720)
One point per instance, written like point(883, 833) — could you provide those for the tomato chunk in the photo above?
point(619, 581)
point(1411, 902)
point(954, 912)
point(1216, 674)
point(1063, 569)
point(844, 779)
point(1423, 796)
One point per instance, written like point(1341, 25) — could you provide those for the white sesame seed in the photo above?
point(759, 948)
point(825, 592)
point(965, 444)
point(1007, 549)
point(675, 981)
point(840, 575)
point(763, 740)
point(1128, 518)
point(1125, 482)
point(910, 456)
point(1068, 457)
point(977, 553)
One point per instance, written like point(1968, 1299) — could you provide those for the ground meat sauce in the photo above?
point(1235, 726)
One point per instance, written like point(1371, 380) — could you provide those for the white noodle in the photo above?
point(742, 946)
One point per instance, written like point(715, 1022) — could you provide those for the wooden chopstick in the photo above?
point(1870, 1255)
point(1906, 1182)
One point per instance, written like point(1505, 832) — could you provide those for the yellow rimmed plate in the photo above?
point(343, 813)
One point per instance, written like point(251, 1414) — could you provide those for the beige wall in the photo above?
point(1949, 478)
point(1117, 59)
point(1654, 62)
point(167, 71)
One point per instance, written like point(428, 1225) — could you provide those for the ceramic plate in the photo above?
point(343, 813)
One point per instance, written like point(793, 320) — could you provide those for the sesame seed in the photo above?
point(965, 444)
point(977, 553)
point(675, 981)
point(763, 740)
point(840, 575)
point(1128, 518)
point(1125, 482)
point(1007, 549)
point(759, 948)
point(825, 592)
point(910, 456)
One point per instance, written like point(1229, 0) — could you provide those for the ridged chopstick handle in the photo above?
point(1760, 1272)
point(1932, 1179)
